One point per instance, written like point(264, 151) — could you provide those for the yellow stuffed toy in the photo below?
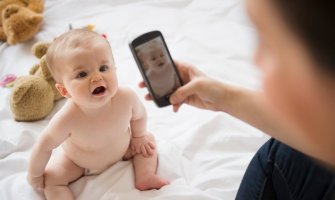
point(33, 96)
point(20, 20)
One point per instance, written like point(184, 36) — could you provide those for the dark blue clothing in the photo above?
point(279, 172)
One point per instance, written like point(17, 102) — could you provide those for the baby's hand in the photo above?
point(36, 182)
point(143, 145)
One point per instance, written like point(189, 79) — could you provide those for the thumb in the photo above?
point(182, 93)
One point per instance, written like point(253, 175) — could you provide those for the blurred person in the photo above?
point(296, 53)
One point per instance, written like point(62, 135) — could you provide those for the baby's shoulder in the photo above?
point(63, 119)
point(125, 92)
point(66, 112)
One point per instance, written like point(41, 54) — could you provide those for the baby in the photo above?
point(100, 124)
point(158, 68)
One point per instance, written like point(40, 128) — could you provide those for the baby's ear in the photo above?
point(62, 90)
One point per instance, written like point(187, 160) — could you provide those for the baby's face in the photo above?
point(88, 73)
point(154, 57)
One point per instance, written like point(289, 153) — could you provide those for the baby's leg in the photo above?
point(145, 172)
point(57, 177)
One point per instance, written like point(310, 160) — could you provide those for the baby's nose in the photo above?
point(96, 77)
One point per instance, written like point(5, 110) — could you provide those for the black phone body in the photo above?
point(156, 66)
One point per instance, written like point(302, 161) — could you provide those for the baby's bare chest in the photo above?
point(97, 144)
point(101, 131)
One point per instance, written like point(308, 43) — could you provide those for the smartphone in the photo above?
point(156, 66)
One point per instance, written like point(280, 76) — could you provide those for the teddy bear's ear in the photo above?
point(35, 19)
point(36, 5)
point(9, 11)
point(39, 49)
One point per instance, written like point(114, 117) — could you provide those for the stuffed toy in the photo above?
point(20, 20)
point(33, 96)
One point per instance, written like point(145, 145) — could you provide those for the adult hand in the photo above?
point(198, 90)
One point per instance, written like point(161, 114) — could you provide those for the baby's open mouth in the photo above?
point(99, 90)
point(161, 64)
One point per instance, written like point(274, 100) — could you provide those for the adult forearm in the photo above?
point(249, 106)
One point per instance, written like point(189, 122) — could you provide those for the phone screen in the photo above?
point(158, 67)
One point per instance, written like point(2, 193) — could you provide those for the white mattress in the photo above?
point(203, 154)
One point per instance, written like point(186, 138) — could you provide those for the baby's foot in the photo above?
point(151, 181)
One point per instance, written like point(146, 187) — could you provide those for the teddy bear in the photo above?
point(33, 95)
point(20, 20)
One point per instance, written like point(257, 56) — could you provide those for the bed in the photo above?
point(203, 154)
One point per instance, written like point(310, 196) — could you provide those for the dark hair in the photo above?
point(314, 22)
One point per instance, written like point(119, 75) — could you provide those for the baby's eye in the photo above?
point(81, 75)
point(153, 58)
point(103, 68)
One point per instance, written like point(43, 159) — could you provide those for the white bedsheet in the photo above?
point(203, 154)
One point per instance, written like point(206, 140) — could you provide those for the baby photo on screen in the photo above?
point(158, 67)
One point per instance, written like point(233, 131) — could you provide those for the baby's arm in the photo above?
point(53, 135)
point(140, 142)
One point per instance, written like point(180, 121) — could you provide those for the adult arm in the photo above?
point(250, 106)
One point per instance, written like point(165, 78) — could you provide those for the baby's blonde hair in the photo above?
point(69, 40)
